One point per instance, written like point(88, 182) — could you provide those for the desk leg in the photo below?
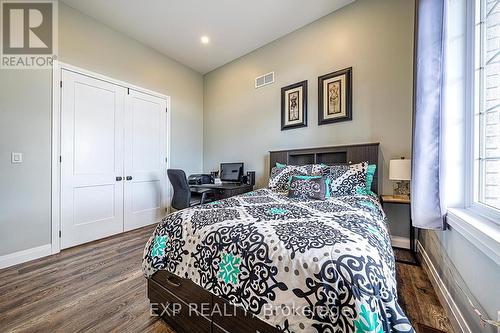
point(412, 238)
point(412, 234)
point(413, 248)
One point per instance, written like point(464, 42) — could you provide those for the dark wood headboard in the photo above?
point(330, 156)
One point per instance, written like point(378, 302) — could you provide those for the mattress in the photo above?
point(299, 265)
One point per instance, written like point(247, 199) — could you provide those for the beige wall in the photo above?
point(242, 123)
point(25, 108)
point(25, 104)
point(89, 44)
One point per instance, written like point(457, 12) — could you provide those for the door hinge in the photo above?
point(166, 159)
point(60, 158)
point(166, 110)
point(128, 91)
point(60, 84)
point(59, 233)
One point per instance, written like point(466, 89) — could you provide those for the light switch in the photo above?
point(17, 158)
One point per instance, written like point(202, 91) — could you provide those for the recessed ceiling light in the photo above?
point(205, 40)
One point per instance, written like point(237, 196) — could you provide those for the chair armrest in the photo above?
point(204, 193)
point(205, 190)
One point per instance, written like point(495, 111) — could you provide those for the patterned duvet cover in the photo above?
point(299, 265)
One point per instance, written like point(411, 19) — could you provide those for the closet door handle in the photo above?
point(118, 179)
point(129, 178)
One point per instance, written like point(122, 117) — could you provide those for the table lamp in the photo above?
point(400, 170)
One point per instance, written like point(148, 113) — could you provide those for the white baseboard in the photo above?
point(19, 257)
point(401, 242)
point(457, 319)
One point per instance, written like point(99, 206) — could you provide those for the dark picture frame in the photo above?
point(338, 86)
point(294, 106)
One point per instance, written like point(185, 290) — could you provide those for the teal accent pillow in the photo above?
point(306, 176)
point(280, 165)
point(370, 172)
point(327, 182)
point(363, 191)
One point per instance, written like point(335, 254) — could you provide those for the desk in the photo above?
point(224, 191)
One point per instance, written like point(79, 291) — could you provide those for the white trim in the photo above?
point(469, 108)
point(57, 68)
point(457, 319)
point(473, 150)
point(83, 71)
point(479, 231)
point(401, 242)
point(55, 165)
point(19, 257)
point(488, 212)
point(170, 190)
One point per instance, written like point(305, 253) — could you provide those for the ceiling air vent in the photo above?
point(264, 80)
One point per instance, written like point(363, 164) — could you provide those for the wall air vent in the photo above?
point(264, 80)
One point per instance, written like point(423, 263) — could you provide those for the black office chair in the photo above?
point(183, 198)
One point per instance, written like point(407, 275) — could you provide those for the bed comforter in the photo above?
point(299, 265)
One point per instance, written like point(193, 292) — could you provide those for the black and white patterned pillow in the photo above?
point(345, 179)
point(280, 176)
point(312, 187)
point(314, 169)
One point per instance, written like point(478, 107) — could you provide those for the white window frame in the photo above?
point(473, 97)
point(466, 216)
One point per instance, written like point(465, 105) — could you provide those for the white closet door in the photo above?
point(92, 159)
point(145, 164)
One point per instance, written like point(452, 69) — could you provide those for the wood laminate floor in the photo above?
point(99, 287)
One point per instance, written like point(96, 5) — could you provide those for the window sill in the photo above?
point(480, 231)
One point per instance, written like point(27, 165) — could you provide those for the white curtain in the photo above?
point(427, 190)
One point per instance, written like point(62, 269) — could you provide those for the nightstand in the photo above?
point(403, 201)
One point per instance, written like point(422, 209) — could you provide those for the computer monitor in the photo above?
point(231, 172)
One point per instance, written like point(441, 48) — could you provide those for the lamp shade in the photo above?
point(400, 169)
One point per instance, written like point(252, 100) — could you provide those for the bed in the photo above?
point(264, 262)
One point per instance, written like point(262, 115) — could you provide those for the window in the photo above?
point(487, 106)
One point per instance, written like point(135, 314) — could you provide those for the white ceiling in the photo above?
point(235, 27)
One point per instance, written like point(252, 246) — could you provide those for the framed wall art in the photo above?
point(335, 97)
point(294, 106)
